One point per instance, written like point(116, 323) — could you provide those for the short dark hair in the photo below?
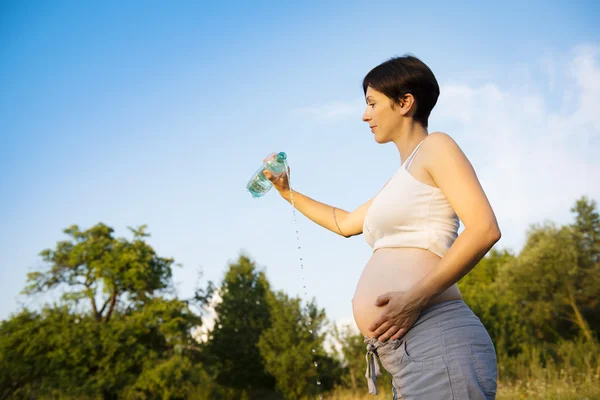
point(399, 76)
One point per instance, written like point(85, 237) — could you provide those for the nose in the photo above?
point(366, 117)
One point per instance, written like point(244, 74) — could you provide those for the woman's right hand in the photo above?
point(281, 182)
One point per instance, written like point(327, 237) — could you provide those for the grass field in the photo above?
point(532, 390)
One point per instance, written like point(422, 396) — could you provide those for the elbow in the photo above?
point(494, 234)
point(490, 234)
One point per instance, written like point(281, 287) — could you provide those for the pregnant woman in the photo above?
point(406, 303)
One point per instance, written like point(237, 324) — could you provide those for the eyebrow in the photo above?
point(369, 97)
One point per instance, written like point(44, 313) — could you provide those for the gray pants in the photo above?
point(446, 354)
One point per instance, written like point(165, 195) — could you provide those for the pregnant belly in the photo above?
point(389, 270)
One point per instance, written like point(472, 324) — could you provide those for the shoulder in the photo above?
point(441, 146)
point(443, 152)
point(435, 140)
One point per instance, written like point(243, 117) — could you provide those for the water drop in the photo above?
point(299, 250)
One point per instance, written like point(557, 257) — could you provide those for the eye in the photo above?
point(371, 105)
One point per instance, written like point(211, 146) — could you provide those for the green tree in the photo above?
point(587, 226)
point(45, 352)
point(351, 353)
point(587, 238)
point(292, 346)
point(173, 378)
point(486, 295)
point(232, 353)
point(117, 321)
point(545, 278)
point(352, 349)
point(94, 264)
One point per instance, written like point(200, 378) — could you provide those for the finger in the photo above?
point(382, 300)
point(389, 333)
point(382, 328)
point(399, 334)
point(378, 322)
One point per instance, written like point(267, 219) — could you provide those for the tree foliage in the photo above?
point(293, 348)
point(98, 350)
point(242, 315)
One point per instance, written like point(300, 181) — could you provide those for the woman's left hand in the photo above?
point(400, 311)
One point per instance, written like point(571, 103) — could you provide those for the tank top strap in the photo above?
point(412, 156)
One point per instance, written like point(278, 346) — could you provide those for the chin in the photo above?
point(379, 140)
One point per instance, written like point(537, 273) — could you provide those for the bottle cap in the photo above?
point(281, 157)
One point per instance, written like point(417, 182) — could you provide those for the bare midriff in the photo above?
point(390, 270)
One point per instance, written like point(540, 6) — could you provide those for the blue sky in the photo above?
point(155, 113)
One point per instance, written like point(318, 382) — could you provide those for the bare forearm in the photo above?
point(468, 249)
point(319, 213)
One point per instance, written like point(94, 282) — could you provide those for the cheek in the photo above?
point(378, 118)
point(374, 115)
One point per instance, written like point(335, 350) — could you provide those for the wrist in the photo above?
point(419, 298)
point(285, 194)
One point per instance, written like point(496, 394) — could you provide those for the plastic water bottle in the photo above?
point(259, 185)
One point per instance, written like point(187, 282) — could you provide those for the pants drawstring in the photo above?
point(373, 368)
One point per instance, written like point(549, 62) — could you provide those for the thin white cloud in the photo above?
point(548, 66)
point(533, 159)
point(586, 73)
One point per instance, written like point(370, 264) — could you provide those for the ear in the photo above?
point(408, 105)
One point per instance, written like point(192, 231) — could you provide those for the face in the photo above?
point(385, 122)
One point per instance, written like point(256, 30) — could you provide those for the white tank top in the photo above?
point(410, 213)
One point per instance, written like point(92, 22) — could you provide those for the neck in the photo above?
point(409, 138)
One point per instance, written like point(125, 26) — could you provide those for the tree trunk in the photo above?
point(353, 379)
point(581, 322)
point(97, 315)
point(113, 302)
